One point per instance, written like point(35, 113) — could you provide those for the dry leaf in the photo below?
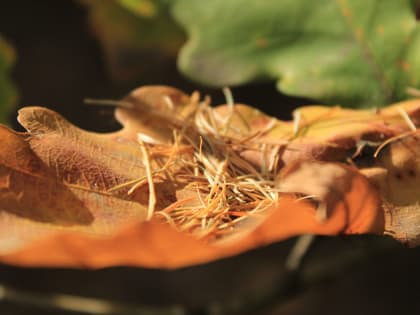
point(338, 189)
point(85, 198)
point(397, 175)
point(48, 183)
point(157, 245)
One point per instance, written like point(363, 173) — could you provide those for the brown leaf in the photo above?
point(157, 245)
point(148, 106)
point(83, 197)
point(340, 190)
point(56, 178)
point(319, 132)
point(332, 133)
point(397, 175)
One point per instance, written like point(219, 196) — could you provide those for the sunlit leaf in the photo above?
point(354, 53)
point(183, 183)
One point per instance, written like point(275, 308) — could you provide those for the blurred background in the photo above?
point(71, 50)
point(66, 51)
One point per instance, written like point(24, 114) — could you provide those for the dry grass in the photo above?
point(219, 187)
point(222, 188)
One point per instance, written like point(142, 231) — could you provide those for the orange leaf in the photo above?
point(82, 197)
point(157, 245)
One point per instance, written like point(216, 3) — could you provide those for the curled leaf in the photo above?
point(397, 175)
point(339, 188)
point(184, 183)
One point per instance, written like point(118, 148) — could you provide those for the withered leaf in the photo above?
point(56, 178)
point(225, 181)
point(342, 190)
point(397, 175)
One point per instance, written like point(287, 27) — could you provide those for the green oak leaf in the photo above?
point(134, 34)
point(353, 52)
point(7, 90)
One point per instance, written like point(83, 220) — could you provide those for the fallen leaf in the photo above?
point(157, 245)
point(396, 173)
point(320, 132)
point(336, 187)
point(85, 198)
point(56, 178)
point(151, 104)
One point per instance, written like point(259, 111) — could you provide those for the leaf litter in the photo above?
point(229, 176)
point(223, 188)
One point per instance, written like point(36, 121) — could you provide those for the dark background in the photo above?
point(59, 63)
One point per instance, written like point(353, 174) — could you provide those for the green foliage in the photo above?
point(7, 91)
point(132, 31)
point(143, 8)
point(352, 52)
